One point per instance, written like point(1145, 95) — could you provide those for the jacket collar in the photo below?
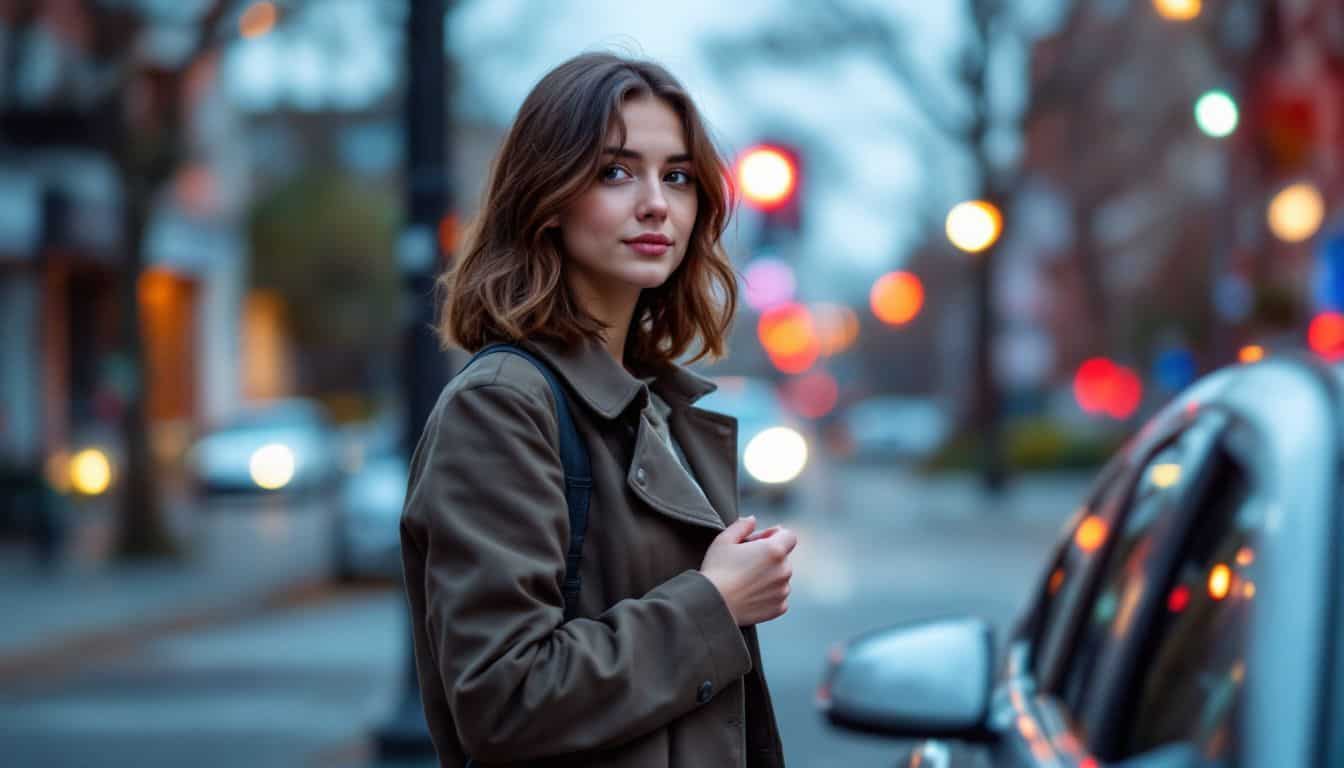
point(595, 378)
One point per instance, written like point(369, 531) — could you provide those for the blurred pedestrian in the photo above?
point(596, 252)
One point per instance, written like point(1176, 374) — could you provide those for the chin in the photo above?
point(648, 276)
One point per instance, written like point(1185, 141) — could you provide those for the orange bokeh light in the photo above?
point(1251, 353)
point(897, 297)
point(1056, 580)
point(789, 336)
point(1091, 534)
point(258, 19)
point(1220, 581)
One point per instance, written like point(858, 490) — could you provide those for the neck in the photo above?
point(614, 307)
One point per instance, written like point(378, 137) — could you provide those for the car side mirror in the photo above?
point(928, 680)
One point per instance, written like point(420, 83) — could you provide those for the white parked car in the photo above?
point(284, 446)
point(772, 446)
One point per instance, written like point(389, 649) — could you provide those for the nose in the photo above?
point(652, 202)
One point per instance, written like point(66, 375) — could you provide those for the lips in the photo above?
point(650, 244)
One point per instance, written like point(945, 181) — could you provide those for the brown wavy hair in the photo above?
point(507, 284)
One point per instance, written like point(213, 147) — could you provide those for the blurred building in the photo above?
point(1148, 232)
point(63, 371)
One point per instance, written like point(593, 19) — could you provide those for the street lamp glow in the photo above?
point(1216, 114)
point(1178, 10)
point(1296, 212)
point(767, 177)
point(974, 226)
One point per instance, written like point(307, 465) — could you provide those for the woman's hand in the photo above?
point(751, 570)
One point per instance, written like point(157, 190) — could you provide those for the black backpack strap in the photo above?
point(578, 472)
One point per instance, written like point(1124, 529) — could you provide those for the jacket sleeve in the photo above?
point(493, 527)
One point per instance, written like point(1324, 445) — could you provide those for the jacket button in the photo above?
point(640, 475)
point(705, 693)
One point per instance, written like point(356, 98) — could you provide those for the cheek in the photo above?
point(600, 214)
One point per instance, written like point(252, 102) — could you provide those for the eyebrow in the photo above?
point(633, 155)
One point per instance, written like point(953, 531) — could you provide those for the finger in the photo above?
point(765, 534)
point(740, 529)
point(787, 539)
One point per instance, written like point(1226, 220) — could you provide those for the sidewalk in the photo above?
point(238, 559)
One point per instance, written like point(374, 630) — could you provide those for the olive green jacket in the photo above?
point(654, 672)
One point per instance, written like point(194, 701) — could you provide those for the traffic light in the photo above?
point(769, 176)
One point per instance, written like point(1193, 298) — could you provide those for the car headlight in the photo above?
point(272, 466)
point(776, 455)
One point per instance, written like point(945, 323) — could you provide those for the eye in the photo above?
point(680, 177)
point(614, 173)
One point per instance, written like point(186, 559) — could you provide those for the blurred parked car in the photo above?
point(1190, 615)
point(368, 527)
point(285, 446)
point(772, 448)
point(895, 427)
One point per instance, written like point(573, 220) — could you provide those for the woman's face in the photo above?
point(629, 231)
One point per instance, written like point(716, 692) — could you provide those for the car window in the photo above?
point(1064, 584)
point(1190, 687)
point(1124, 581)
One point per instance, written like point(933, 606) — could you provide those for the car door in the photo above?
point(1232, 668)
point(1096, 584)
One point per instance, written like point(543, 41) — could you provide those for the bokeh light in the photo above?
point(974, 226)
point(1296, 212)
point(272, 466)
point(768, 283)
point(813, 395)
point(1220, 581)
point(1325, 335)
point(837, 327)
point(1178, 10)
point(1251, 353)
point(1104, 387)
point(1165, 475)
point(776, 455)
point(258, 19)
point(1091, 533)
point(767, 177)
point(1216, 114)
point(897, 297)
point(90, 472)
point(789, 336)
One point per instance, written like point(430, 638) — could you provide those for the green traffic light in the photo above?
point(1216, 114)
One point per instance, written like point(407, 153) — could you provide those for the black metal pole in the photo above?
point(425, 367)
point(988, 398)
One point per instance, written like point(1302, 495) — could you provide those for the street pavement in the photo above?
point(305, 678)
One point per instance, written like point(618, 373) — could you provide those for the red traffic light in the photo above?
point(767, 176)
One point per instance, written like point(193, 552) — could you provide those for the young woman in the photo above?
point(596, 251)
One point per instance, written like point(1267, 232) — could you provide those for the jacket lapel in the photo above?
point(657, 477)
point(709, 441)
